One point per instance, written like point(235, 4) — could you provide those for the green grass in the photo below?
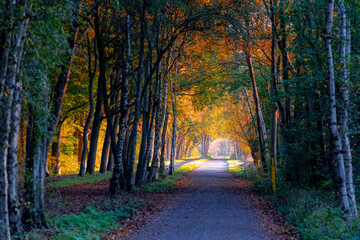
point(167, 163)
point(92, 223)
point(192, 157)
point(161, 185)
point(190, 166)
point(74, 180)
point(235, 166)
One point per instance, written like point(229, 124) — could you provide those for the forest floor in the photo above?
point(208, 204)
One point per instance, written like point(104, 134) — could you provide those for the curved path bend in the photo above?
point(212, 208)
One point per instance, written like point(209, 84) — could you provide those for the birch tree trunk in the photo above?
point(117, 176)
point(11, 52)
point(259, 116)
point(336, 139)
point(158, 125)
point(345, 44)
point(12, 168)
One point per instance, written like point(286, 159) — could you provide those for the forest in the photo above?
point(131, 94)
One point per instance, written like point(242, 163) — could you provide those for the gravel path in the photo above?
point(212, 208)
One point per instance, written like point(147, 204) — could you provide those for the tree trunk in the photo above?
point(12, 168)
point(158, 125)
point(285, 63)
point(146, 125)
point(105, 151)
point(274, 107)
point(118, 160)
point(178, 148)
point(174, 130)
point(55, 150)
point(345, 42)
point(259, 116)
point(336, 140)
point(95, 131)
point(133, 137)
point(163, 143)
point(110, 163)
point(11, 53)
point(91, 111)
point(35, 163)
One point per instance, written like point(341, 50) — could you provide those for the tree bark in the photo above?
point(92, 108)
point(11, 53)
point(158, 125)
point(163, 143)
point(118, 160)
point(274, 107)
point(146, 127)
point(345, 44)
point(174, 128)
point(336, 139)
point(133, 137)
point(95, 130)
point(259, 116)
point(12, 168)
point(105, 151)
point(55, 149)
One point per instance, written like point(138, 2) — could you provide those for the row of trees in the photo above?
point(148, 73)
point(101, 61)
point(301, 65)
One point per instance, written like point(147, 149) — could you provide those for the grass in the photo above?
point(167, 163)
point(190, 166)
point(315, 212)
point(92, 223)
point(192, 157)
point(74, 180)
point(161, 185)
point(235, 166)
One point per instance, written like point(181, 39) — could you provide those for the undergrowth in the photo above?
point(190, 166)
point(313, 211)
point(74, 180)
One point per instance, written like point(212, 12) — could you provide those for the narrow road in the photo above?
point(212, 208)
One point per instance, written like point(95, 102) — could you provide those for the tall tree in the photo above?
point(336, 138)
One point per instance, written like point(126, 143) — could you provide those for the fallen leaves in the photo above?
point(271, 219)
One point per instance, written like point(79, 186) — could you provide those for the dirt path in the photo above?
point(212, 208)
